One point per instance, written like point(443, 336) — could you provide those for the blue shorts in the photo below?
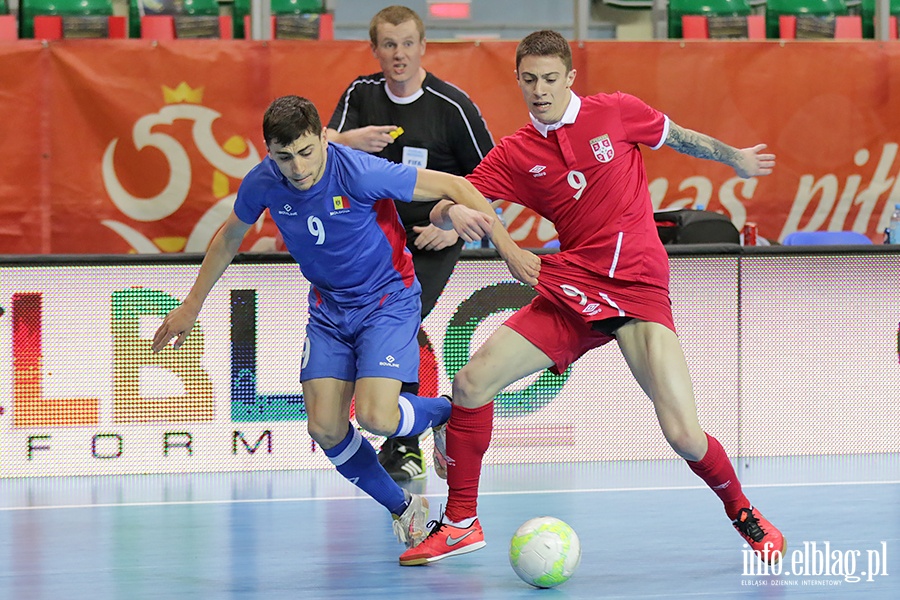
point(379, 340)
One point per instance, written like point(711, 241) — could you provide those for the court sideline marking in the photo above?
point(363, 497)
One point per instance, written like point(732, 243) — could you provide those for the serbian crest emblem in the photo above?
point(603, 148)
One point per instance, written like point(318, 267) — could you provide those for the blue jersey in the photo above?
point(344, 231)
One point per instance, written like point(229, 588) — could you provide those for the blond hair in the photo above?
point(395, 15)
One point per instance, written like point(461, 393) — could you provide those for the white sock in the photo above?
point(464, 524)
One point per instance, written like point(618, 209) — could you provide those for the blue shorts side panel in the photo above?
point(372, 341)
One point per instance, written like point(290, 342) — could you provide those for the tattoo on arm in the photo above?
point(699, 145)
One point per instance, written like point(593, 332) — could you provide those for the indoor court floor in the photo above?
point(647, 530)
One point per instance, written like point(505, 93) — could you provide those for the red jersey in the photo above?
point(586, 175)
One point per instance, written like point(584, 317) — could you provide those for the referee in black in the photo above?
point(407, 115)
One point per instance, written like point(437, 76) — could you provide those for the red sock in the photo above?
point(716, 470)
point(468, 437)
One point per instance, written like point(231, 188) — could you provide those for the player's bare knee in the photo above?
point(375, 417)
point(326, 437)
point(375, 421)
point(469, 390)
point(686, 444)
point(463, 387)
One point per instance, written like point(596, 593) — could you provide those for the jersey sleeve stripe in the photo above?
point(462, 114)
point(665, 134)
point(350, 89)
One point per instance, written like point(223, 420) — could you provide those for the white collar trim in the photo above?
point(404, 100)
point(567, 119)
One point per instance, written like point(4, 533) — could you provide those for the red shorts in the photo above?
point(570, 299)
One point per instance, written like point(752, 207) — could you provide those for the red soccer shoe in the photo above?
point(762, 536)
point(445, 540)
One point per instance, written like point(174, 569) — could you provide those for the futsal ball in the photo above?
point(544, 552)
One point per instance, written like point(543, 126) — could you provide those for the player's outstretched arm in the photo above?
point(523, 265)
point(371, 139)
point(472, 224)
point(746, 162)
point(179, 322)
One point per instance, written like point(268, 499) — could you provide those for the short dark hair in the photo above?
point(545, 43)
point(289, 118)
point(395, 15)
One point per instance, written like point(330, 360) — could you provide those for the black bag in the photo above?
point(688, 226)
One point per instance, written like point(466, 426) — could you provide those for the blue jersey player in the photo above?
point(334, 206)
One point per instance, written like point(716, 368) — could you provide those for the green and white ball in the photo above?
point(544, 552)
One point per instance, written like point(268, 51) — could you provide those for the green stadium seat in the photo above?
point(701, 27)
point(808, 27)
point(178, 19)
point(55, 19)
point(291, 19)
point(709, 8)
point(815, 17)
point(867, 12)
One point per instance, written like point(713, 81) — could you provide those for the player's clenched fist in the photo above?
point(470, 224)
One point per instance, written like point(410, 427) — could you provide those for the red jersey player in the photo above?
point(578, 165)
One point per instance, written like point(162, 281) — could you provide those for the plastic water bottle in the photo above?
point(894, 226)
point(472, 245)
point(488, 243)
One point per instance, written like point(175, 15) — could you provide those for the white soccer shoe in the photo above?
point(440, 447)
point(440, 451)
point(410, 527)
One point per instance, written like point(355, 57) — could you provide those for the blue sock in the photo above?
point(418, 413)
point(355, 458)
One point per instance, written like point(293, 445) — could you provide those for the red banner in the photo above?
point(23, 205)
point(131, 146)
